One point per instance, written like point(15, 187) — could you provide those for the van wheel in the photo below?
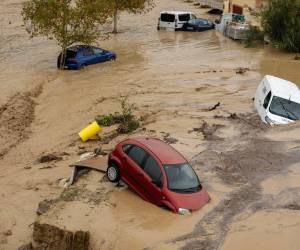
point(113, 173)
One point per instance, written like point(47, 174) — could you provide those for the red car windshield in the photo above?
point(182, 178)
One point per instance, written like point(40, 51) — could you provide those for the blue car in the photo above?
point(198, 24)
point(79, 56)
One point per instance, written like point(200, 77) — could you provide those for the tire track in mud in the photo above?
point(252, 160)
point(16, 117)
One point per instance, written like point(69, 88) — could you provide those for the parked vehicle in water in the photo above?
point(173, 20)
point(277, 101)
point(233, 26)
point(79, 56)
point(158, 173)
point(198, 24)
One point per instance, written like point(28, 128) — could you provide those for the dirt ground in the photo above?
point(251, 171)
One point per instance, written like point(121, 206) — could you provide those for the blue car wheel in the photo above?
point(82, 66)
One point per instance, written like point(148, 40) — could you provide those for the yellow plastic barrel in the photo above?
point(90, 131)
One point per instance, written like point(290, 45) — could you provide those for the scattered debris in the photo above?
point(83, 151)
point(99, 151)
point(26, 247)
point(87, 155)
point(44, 206)
point(208, 130)
point(213, 107)
point(48, 167)
point(215, 12)
point(169, 139)
point(63, 182)
point(8, 233)
point(204, 6)
point(95, 163)
point(49, 157)
point(292, 206)
point(108, 137)
point(241, 70)
point(59, 239)
point(200, 88)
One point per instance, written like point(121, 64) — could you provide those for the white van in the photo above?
point(173, 20)
point(277, 101)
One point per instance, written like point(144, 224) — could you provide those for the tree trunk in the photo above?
point(63, 58)
point(115, 31)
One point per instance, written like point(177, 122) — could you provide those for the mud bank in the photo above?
point(16, 117)
point(174, 79)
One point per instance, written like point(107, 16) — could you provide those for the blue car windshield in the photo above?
point(182, 178)
point(285, 108)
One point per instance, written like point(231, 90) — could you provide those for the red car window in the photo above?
point(152, 168)
point(126, 148)
point(137, 154)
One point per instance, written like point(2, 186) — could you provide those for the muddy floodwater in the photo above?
point(251, 171)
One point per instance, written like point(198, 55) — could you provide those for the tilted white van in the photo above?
point(277, 101)
point(174, 20)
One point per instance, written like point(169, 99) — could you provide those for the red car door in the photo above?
point(152, 179)
point(133, 170)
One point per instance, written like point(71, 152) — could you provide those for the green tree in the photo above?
point(66, 21)
point(132, 6)
point(281, 23)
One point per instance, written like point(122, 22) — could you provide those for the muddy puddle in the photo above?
point(174, 79)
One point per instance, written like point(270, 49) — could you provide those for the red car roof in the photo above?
point(162, 150)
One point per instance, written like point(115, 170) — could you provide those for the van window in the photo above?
point(267, 100)
point(184, 17)
point(169, 18)
point(285, 108)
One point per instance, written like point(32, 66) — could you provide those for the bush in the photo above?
point(126, 119)
point(281, 22)
point(254, 37)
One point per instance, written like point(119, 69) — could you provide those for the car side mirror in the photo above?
point(158, 183)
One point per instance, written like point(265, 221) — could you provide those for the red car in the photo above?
point(158, 173)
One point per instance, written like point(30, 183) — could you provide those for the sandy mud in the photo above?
point(175, 80)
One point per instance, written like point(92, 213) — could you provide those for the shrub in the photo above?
point(126, 119)
point(254, 37)
point(281, 22)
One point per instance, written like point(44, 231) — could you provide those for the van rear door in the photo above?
point(167, 21)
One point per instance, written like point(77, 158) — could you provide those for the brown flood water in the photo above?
point(250, 171)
